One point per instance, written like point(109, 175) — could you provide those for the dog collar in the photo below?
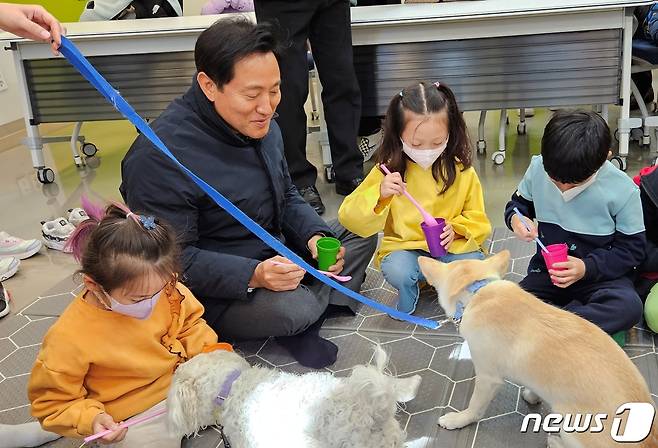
point(473, 288)
point(226, 387)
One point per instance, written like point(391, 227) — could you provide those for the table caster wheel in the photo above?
point(482, 146)
point(45, 175)
point(89, 149)
point(521, 129)
point(498, 157)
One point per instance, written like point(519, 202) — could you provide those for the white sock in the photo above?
point(25, 435)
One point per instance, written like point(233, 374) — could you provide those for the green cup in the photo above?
point(327, 251)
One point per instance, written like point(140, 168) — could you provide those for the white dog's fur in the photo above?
point(270, 408)
point(569, 362)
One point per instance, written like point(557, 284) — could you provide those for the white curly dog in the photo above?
point(260, 407)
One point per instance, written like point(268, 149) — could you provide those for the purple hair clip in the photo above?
point(148, 222)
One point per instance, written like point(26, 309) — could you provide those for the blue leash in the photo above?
point(77, 59)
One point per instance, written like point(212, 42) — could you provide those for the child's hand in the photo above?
point(448, 236)
point(392, 184)
point(521, 231)
point(567, 273)
point(104, 422)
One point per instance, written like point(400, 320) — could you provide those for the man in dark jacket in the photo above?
point(222, 130)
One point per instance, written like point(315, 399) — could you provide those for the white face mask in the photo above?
point(575, 191)
point(424, 158)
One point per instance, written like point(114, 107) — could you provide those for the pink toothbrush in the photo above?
point(126, 424)
point(340, 278)
point(429, 219)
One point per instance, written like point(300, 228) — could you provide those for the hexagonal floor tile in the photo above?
point(248, 348)
point(49, 306)
point(386, 324)
point(350, 323)
point(503, 403)
point(428, 304)
point(639, 338)
point(15, 416)
point(379, 295)
point(33, 332)
point(454, 361)
point(11, 324)
point(423, 431)
point(275, 353)
point(434, 390)
point(521, 265)
point(13, 392)
point(408, 355)
point(439, 340)
point(20, 362)
point(374, 279)
point(209, 438)
point(352, 350)
point(6, 347)
point(504, 432)
point(518, 248)
point(648, 366)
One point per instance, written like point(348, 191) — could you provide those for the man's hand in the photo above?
point(31, 22)
point(340, 257)
point(568, 272)
point(521, 231)
point(277, 274)
point(103, 422)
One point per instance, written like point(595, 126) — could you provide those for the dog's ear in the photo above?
point(431, 269)
point(182, 405)
point(406, 388)
point(499, 263)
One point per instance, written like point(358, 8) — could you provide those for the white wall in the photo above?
point(11, 104)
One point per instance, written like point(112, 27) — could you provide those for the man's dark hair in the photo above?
point(228, 41)
point(575, 144)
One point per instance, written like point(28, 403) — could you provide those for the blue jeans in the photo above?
point(401, 270)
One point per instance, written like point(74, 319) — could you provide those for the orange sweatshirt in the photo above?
point(95, 360)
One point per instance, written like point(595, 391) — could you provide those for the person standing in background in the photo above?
point(327, 25)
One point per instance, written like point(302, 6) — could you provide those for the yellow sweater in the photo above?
point(95, 360)
point(462, 205)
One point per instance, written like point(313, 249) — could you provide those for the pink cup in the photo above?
point(433, 237)
point(557, 253)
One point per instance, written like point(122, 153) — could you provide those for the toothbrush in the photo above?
point(340, 278)
point(527, 226)
point(429, 219)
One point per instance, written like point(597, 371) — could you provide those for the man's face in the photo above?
point(248, 102)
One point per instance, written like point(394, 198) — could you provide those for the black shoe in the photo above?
point(345, 188)
point(312, 197)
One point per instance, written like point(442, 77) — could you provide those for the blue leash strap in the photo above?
point(77, 59)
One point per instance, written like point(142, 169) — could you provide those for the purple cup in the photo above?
point(433, 237)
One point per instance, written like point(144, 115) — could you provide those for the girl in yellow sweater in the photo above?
point(426, 148)
point(112, 353)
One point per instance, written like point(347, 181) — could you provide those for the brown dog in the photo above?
point(569, 362)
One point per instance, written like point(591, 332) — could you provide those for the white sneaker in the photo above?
point(77, 215)
point(56, 233)
point(10, 246)
point(4, 301)
point(9, 266)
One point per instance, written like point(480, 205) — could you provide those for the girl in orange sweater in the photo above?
point(112, 353)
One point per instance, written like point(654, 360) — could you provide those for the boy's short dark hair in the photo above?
point(575, 144)
point(227, 41)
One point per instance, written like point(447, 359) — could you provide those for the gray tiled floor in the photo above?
point(439, 357)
